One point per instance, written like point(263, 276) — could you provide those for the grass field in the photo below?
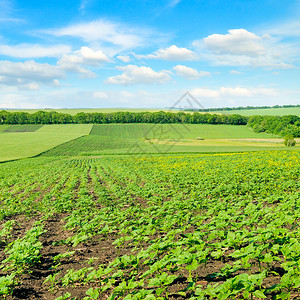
point(69, 140)
point(15, 145)
point(191, 226)
point(19, 128)
point(263, 112)
point(161, 138)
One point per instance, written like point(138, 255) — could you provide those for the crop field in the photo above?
point(218, 226)
point(19, 128)
point(153, 138)
point(19, 141)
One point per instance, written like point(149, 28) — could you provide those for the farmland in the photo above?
point(19, 141)
point(161, 138)
point(190, 226)
point(148, 211)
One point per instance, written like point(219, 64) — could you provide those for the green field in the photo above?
point(162, 138)
point(75, 139)
point(19, 128)
point(189, 226)
point(186, 131)
point(148, 211)
point(15, 145)
point(264, 112)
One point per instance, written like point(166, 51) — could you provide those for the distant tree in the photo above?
point(289, 141)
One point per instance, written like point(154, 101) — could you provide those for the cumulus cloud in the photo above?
point(133, 74)
point(101, 31)
point(189, 73)
point(243, 48)
point(124, 58)
point(236, 42)
point(29, 74)
point(172, 53)
point(34, 50)
point(232, 92)
point(83, 57)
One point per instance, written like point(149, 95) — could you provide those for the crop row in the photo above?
point(157, 227)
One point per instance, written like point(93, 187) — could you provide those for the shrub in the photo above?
point(289, 141)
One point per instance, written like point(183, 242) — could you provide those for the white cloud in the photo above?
point(86, 56)
point(232, 92)
point(34, 50)
point(32, 86)
point(83, 57)
point(189, 73)
point(29, 74)
point(243, 48)
point(16, 101)
point(138, 75)
point(72, 97)
point(102, 31)
point(172, 53)
point(236, 42)
point(235, 72)
point(205, 93)
point(124, 58)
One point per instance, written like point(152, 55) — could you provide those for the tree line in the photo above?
point(279, 125)
point(285, 125)
point(162, 117)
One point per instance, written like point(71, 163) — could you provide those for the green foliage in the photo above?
point(289, 141)
point(284, 125)
point(52, 278)
point(6, 284)
point(6, 231)
point(25, 252)
point(156, 222)
point(66, 296)
point(160, 117)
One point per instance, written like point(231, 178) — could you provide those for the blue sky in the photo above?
point(90, 53)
